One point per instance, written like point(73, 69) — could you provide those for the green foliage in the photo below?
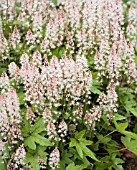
point(81, 145)
point(32, 134)
point(32, 156)
point(21, 98)
point(110, 163)
point(121, 128)
point(130, 144)
point(2, 165)
point(54, 1)
point(33, 160)
point(97, 148)
point(127, 99)
point(95, 87)
point(28, 129)
point(2, 70)
point(75, 167)
point(66, 159)
point(119, 117)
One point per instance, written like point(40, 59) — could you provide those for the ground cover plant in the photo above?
point(68, 85)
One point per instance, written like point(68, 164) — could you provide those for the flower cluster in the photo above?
point(54, 158)
point(93, 117)
point(10, 118)
point(78, 25)
point(111, 99)
point(30, 115)
point(63, 80)
point(17, 159)
point(132, 25)
point(63, 128)
point(51, 52)
point(41, 163)
point(30, 38)
point(4, 82)
point(81, 27)
point(60, 83)
point(2, 151)
point(14, 38)
point(51, 132)
point(4, 48)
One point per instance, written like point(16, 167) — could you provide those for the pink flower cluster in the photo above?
point(54, 158)
point(132, 25)
point(4, 48)
point(10, 118)
point(59, 90)
point(17, 159)
point(14, 38)
point(56, 83)
point(81, 25)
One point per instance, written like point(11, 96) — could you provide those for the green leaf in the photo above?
point(121, 128)
point(131, 144)
point(134, 111)
point(36, 138)
point(54, 1)
point(65, 160)
point(86, 142)
point(61, 52)
point(130, 134)
point(95, 90)
point(88, 152)
point(119, 117)
point(73, 142)
point(21, 96)
point(16, 22)
point(61, 166)
point(38, 127)
point(66, 157)
point(96, 147)
point(80, 134)
point(41, 140)
point(26, 128)
point(79, 150)
point(41, 152)
point(95, 86)
point(103, 139)
point(80, 144)
point(127, 99)
point(110, 162)
point(85, 161)
point(116, 162)
point(33, 160)
point(30, 142)
point(2, 165)
point(73, 167)
point(105, 163)
point(105, 120)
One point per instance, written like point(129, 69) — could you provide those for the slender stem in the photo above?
point(119, 150)
point(7, 10)
point(105, 136)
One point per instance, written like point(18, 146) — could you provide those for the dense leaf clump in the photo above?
point(68, 84)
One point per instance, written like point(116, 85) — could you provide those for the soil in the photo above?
point(130, 164)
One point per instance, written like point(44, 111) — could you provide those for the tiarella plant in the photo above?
point(68, 84)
